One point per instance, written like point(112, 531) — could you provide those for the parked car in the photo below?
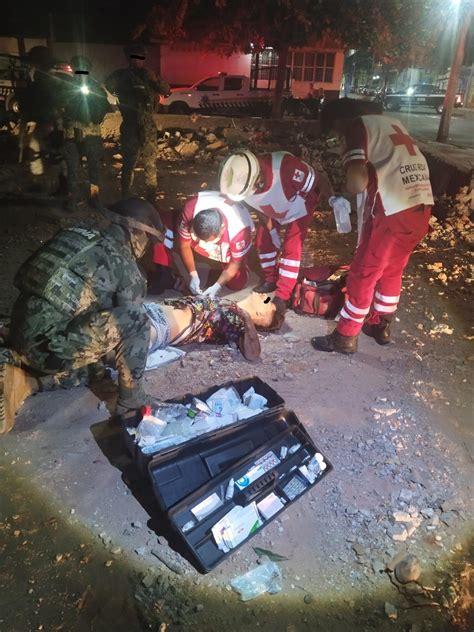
point(419, 95)
point(222, 94)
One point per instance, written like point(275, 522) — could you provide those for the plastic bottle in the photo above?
point(342, 210)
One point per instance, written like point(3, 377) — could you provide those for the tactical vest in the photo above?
point(47, 273)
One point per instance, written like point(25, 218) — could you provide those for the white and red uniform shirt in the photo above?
point(236, 239)
point(290, 189)
point(399, 177)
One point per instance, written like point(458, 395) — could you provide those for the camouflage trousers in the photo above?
point(124, 330)
point(91, 148)
point(38, 144)
point(139, 141)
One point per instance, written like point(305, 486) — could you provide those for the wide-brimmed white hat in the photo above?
point(238, 175)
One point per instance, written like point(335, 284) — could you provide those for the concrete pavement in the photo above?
point(423, 125)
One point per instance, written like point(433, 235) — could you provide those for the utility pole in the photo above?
point(453, 81)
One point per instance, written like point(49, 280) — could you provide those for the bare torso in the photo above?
point(178, 320)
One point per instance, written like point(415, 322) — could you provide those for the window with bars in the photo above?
point(316, 67)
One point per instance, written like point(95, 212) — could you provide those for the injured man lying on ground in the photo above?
point(190, 319)
point(174, 322)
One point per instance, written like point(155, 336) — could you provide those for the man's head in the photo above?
point(208, 225)
point(136, 54)
point(81, 65)
point(335, 115)
point(142, 222)
point(239, 175)
point(262, 311)
point(39, 57)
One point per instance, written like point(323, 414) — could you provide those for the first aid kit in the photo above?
point(219, 489)
point(320, 291)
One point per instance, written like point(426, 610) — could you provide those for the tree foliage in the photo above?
point(406, 31)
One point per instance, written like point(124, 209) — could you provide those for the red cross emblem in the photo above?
point(403, 139)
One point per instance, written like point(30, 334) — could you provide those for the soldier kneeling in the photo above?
point(80, 298)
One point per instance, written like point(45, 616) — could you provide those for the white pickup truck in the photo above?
point(223, 94)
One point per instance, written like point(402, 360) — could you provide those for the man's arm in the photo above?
point(357, 177)
point(355, 157)
point(186, 253)
point(158, 84)
point(229, 273)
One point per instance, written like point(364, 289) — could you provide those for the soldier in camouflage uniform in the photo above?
point(81, 297)
point(84, 108)
point(136, 88)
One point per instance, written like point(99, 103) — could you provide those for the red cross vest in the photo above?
point(237, 219)
point(403, 177)
point(273, 202)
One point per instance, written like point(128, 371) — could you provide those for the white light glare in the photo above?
point(85, 90)
point(376, 77)
point(410, 91)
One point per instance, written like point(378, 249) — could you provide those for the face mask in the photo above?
point(194, 237)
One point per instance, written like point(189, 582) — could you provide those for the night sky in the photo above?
point(104, 21)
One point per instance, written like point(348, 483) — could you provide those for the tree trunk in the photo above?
point(443, 131)
point(280, 81)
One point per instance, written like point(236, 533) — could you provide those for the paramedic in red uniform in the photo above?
point(284, 190)
point(382, 160)
point(220, 230)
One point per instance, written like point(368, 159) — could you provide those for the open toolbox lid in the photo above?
point(274, 402)
point(255, 471)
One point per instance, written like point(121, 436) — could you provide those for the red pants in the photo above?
point(285, 272)
point(386, 245)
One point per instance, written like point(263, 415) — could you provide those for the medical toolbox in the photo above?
point(223, 487)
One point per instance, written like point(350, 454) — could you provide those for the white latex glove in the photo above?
point(195, 283)
point(212, 291)
point(275, 237)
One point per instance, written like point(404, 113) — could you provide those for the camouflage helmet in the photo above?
point(40, 57)
point(81, 63)
point(137, 214)
point(135, 49)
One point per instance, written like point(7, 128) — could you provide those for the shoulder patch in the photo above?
point(298, 176)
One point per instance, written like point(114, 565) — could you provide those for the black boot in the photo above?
point(265, 287)
point(379, 332)
point(335, 342)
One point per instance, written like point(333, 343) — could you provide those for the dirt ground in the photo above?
point(77, 527)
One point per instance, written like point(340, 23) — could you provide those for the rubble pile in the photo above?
point(324, 156)
point(457, 225)
point(455, 234)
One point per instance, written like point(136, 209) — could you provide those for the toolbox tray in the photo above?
point(227, 454)
point(142, 459)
